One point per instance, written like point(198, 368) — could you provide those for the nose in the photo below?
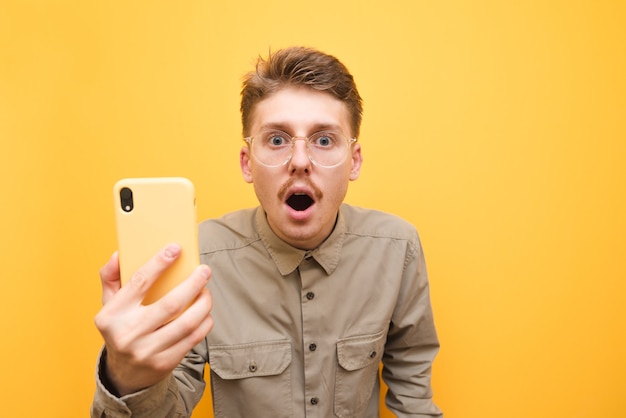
point(300, 160)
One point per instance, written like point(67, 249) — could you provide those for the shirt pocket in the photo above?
point(251, 380)
point(357, 373)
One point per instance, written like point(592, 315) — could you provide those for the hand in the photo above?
point(145, 343)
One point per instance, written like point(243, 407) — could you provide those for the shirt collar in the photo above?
point(288, 258)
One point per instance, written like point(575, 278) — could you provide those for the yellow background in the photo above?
point(497, 128)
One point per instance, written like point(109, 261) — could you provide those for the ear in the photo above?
point(357, 160)
point(245, 161)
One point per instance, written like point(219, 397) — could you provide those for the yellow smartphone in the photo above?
point(149, 214)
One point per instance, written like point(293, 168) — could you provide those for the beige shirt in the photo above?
point(302, 333)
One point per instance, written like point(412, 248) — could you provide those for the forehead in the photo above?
point(300, 111)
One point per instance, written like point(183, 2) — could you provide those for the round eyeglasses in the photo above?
point(274, 148)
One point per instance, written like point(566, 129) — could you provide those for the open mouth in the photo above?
point(300, 201)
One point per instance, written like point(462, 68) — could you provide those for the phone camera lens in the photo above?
point(126, 199)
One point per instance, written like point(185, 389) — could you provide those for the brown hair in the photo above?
point(300, 66)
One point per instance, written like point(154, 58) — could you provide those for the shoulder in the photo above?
point(231, 231)
point(374, 223)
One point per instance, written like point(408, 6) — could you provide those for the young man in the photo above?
point(308, 294)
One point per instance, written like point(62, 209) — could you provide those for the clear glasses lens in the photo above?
point(274, 148)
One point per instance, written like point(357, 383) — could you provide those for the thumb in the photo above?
point(110, 278)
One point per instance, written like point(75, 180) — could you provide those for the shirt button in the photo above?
point(252, 367)
point(310, 295)
point(313, 347)
point(314, 401)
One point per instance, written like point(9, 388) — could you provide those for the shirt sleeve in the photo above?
point(174, 397)
point(412, 343)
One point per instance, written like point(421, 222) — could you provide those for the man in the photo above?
point(308, 294)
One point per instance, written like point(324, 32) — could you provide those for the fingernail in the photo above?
point(205, 271)
point(172, 251)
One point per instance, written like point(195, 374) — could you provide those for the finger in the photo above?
point(181, 297)
point(177, 337)
point(141, 281)
point(183, 346)
point(110, 278)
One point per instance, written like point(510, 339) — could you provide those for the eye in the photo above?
point(324, 139)
point(276, 139)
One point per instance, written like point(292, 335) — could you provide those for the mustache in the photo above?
point(282, 192)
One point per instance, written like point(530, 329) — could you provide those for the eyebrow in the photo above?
point(316, 127)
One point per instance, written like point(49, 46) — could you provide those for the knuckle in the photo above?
point(101, 322)
point(208, 326)
point(199, 332)
point(141, 357)
point(187, 324)
point(105, 320)
point(170, 306)
point(164, 258)
point(162, 364)
point(139, 280)
point(205, 300)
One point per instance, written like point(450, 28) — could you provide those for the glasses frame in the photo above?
point(250, 139)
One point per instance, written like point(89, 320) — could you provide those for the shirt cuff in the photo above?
point(134, 404)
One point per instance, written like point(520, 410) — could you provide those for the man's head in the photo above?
point(300, 66)
point(301, 114)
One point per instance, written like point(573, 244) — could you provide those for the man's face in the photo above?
point(301, 111)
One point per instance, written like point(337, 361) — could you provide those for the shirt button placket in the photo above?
point(310, 273)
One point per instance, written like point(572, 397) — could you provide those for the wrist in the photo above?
point(104, 375)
